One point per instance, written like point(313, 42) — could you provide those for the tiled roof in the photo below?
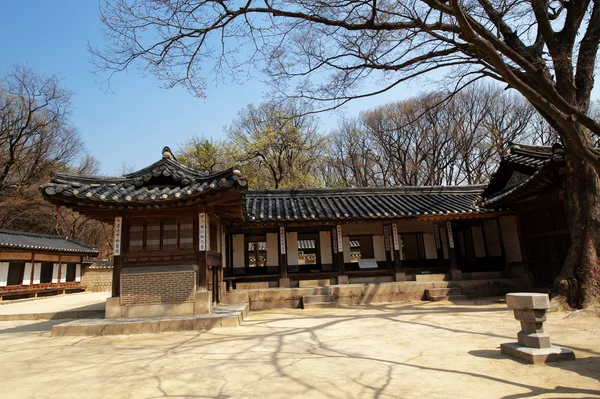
point(536, 163)
point(31, 241)
point(164, 181)
point(360, 203)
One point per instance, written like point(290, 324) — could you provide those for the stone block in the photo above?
point(234, 298)
point(202, 302)
point(314, 283)
point(527, 300)
point(252, 286)
point(113, 308)
point(534, 355)
point(530, 327)
point(399, 276)
point(455, 275)
point(430, 277)
point(534, 340)
point(530, 315)
point(167, 309)
point(342, 280)
point(231, 321)
point(284, 282)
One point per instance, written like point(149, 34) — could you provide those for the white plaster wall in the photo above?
point(27, 274)
point(346, 249)
point(78, 272)
point(55, 273)
point(37, 269)
point(3, 274)
point(291, 239)
point(429, 242)
point(510, 238)
point(379, 248)
point(478, 242)
point(490, 229)
point(272, 249)
point(63, 273)
point(238, 251)
point(444, 238)
point(326, 250)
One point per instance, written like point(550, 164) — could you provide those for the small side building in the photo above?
point(33, 265)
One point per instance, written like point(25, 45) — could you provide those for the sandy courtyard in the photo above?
point(410, 350)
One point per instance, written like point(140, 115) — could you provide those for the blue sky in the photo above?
point(134, 122)
point(138, 118)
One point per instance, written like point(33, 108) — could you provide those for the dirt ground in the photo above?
point(408, 350)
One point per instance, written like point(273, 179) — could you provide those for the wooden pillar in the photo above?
point(397, 249)
point(451, 246)
point(340, 249)
point(438, 243)
point(283, 270)
point(388, 246)
point(117, 250)
point(203, 245)
point(501, 240)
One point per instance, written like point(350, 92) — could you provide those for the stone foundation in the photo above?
point(356, 294)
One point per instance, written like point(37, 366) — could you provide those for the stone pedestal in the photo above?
point(284, 283)
point(455, 275)
point(533, 344)
point(342, 280)
point(399, 276)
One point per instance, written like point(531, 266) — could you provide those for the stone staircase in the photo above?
point(443, 294)
point(318, 301)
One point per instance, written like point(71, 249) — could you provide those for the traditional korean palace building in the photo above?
point(184, 239)
point(38, 264)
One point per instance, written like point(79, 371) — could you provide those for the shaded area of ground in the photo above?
point(417, 349)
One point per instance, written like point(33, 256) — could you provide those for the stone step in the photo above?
point(431, 292)
point(319, 305)
point(446, 297)
point(310, 299)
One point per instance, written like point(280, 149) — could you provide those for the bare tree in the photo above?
point(35, 133)
point(430, 139)
point(326, 50)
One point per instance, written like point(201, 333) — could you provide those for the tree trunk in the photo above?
point(579, 279)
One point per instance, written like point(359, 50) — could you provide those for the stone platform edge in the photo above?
point(222, 316)
point(67, 314)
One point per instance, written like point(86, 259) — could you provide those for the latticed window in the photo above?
point(170, 234)
point(153, 235)
point(157, 235)
point(186, 234)
point(136, 236)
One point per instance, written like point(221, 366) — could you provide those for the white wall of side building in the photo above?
point(510, 238)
